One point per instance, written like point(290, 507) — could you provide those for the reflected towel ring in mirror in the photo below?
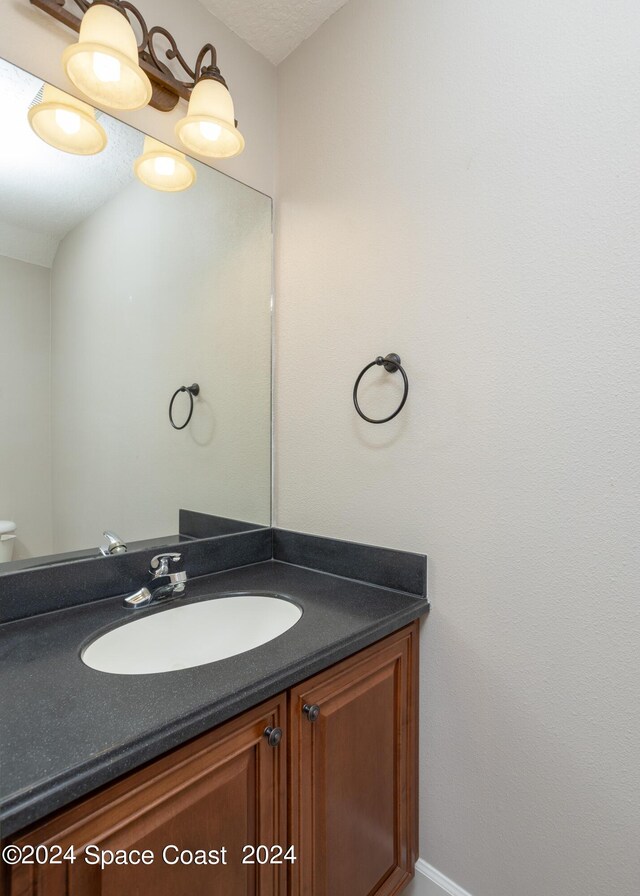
point(391, 364)
point(192, 391)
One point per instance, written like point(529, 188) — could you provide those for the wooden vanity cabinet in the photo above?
point(226, 788)
point(353, 773)
point(340, 788)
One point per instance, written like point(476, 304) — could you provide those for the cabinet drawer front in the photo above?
point(354, 774)
point(194, 810)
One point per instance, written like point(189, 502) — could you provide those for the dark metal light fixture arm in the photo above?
point(172, 53)
point(137, 15)
point(83, 5)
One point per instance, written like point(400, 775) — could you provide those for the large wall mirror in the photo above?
point(113, 295)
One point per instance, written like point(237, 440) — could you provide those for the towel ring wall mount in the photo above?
point(391, 363)
point(192, 391)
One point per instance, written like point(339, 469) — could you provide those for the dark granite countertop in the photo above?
point(68, 729)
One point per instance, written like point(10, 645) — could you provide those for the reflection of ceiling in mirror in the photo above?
point(45, 193)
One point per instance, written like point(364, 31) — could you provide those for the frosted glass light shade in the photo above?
point(103, 65)
point(209, 127)
point(164, 168)
point(66, 123)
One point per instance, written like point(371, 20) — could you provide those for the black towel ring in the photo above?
point(391, 365)
point(192, 390)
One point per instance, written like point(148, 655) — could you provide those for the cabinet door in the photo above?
point(224, 789)
point(353, 773)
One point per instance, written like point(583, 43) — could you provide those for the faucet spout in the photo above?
point(140, 598)
point(112, 544)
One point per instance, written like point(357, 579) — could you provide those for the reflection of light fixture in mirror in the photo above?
point(66, 123)
point(164, 168)
point(209, 128)
point(103, 65)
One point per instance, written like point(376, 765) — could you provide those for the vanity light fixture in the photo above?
point(103, 65)
point(209, 128)
point(110, 67)
point(67, 123)
point(163, 168)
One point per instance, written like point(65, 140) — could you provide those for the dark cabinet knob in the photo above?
point(312, 711)
point(273, 735)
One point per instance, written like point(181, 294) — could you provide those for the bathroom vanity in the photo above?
point(290, 769)
point(275, 801)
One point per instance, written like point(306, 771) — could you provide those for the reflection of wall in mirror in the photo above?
point(25, 443)
point(151, 292)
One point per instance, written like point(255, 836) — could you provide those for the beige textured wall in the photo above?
point(460, 182)
point(31, 39)
point(25, 340)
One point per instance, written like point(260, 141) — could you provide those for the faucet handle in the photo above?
point(160, 564)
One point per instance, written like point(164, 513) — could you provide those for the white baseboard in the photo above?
point(430, 882)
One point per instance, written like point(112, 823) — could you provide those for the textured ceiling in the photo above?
point(273, 27)
point(46, 193)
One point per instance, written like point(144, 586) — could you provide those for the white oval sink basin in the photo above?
point(191, 635)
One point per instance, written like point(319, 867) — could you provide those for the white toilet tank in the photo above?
point(7, 538)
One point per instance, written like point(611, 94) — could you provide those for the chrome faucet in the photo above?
point(113, 544)
point(175, 587)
